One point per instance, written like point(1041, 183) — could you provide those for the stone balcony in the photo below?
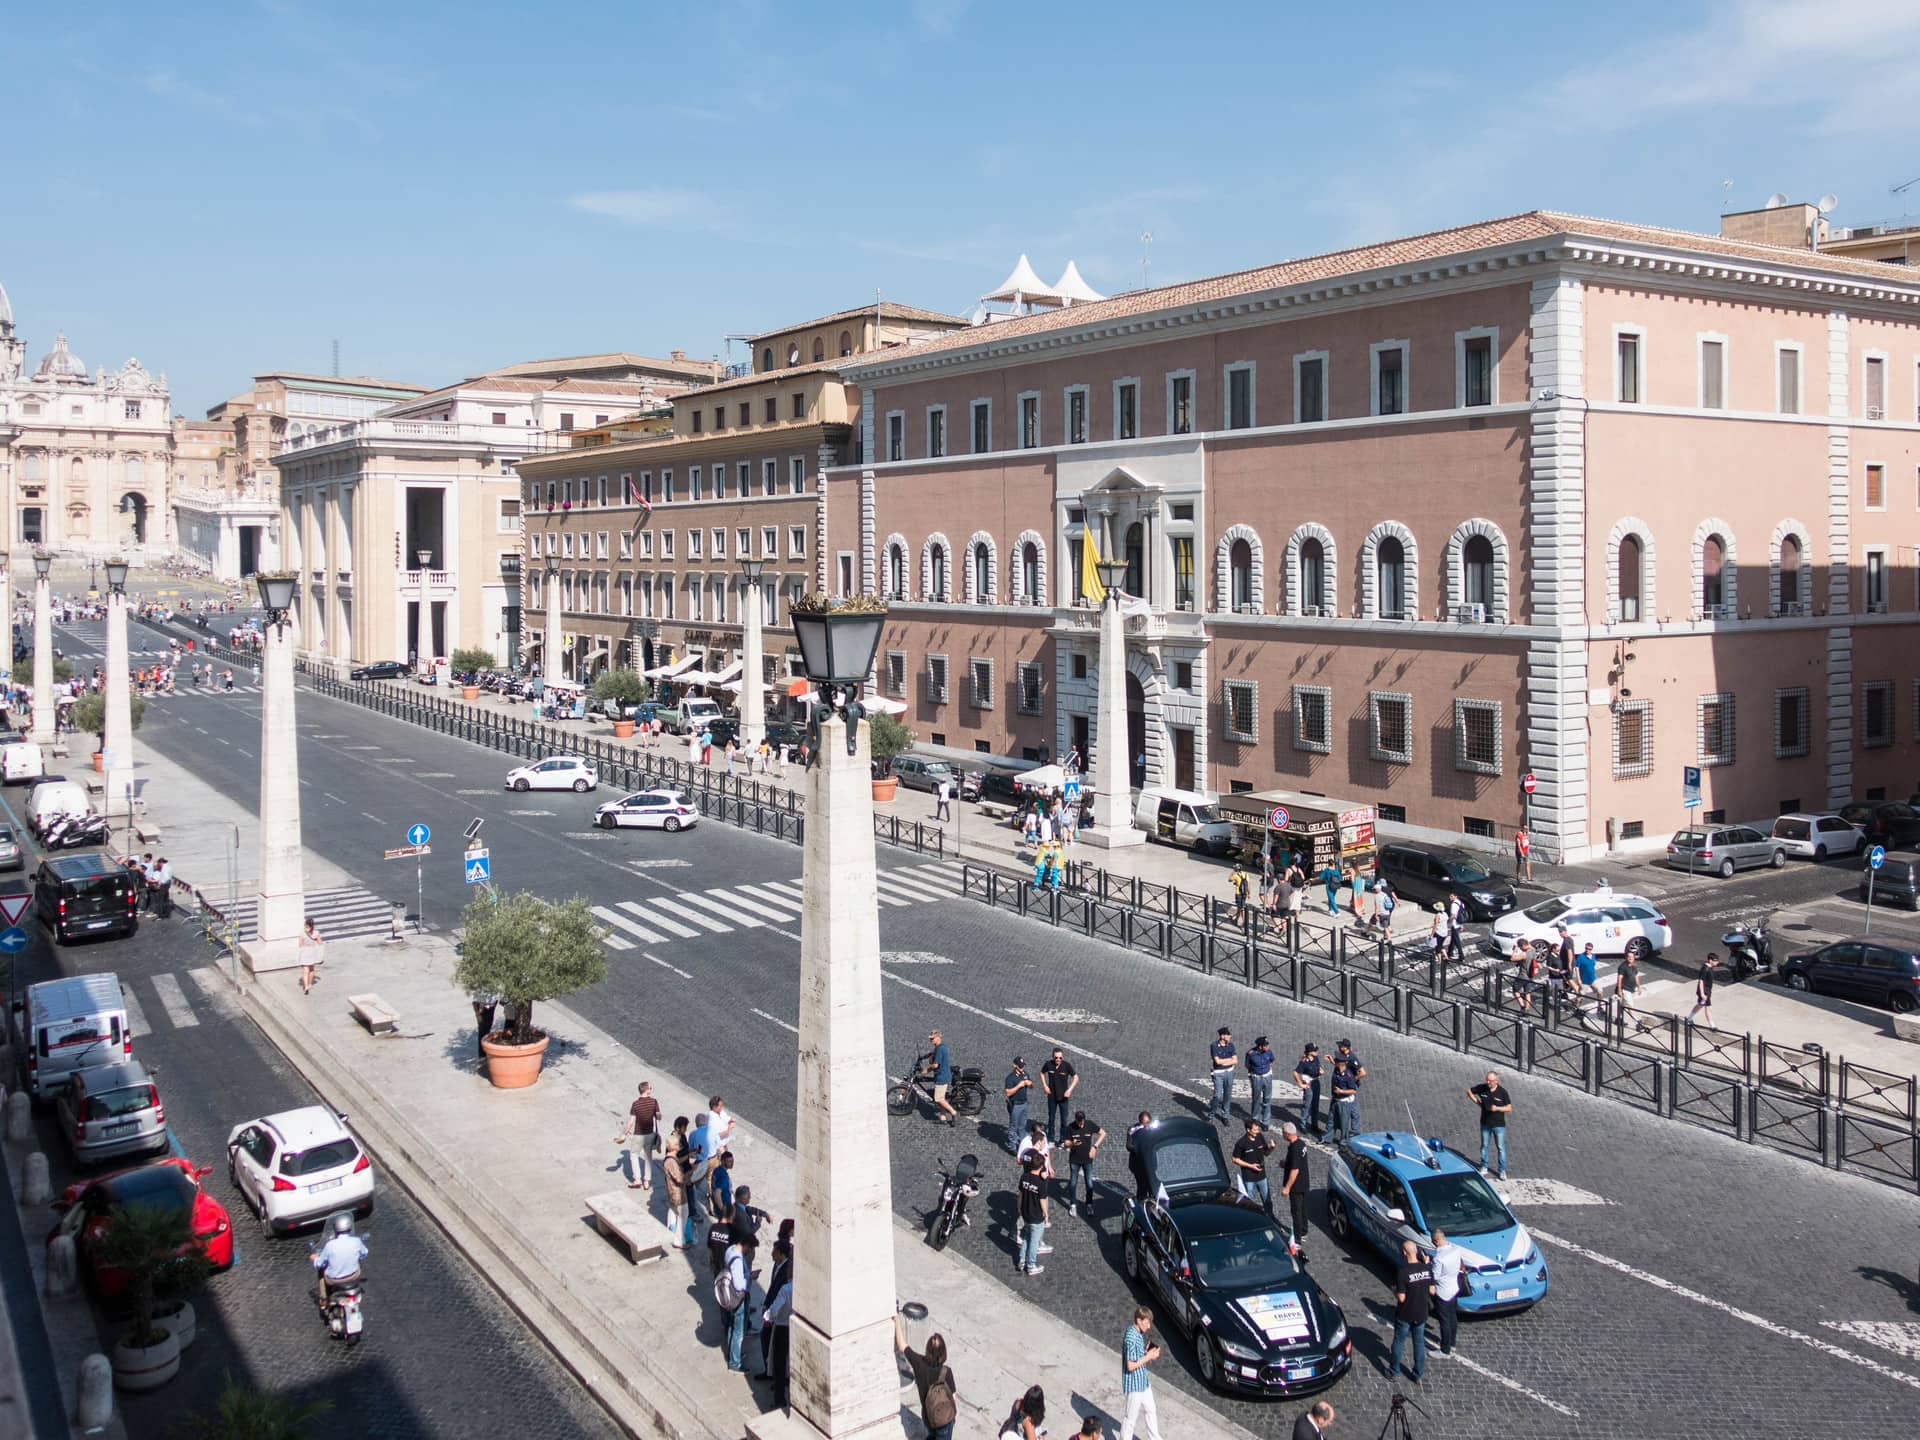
point(1149, 627)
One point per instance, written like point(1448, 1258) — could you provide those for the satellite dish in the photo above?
point(1827, 203)
point(1776, 200)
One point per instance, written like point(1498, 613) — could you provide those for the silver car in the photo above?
point(111, 1111)
point(1723, 849)
point(917, 772)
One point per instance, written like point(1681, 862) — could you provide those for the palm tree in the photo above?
point(156, 1248)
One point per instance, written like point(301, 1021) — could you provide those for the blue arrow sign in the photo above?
point(13, 940)
point(479, 867)
point(1876, 857)
point(419, 835)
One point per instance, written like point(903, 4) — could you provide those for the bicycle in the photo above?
point(967, 1094)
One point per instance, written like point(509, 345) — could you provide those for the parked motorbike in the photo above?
point(957, 1187)
point(1748, 951)
point(970, 784)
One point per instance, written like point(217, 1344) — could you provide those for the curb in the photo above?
point(647, 1403)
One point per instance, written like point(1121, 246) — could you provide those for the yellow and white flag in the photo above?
point(1090, 570)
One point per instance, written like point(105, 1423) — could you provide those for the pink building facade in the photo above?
point(1542, 495)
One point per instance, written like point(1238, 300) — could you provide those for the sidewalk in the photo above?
point(505, 1174)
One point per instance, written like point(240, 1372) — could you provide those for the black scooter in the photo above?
point(1748, 951)
point(956, 1188)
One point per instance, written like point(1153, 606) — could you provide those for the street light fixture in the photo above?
point(837, 643)
point(1112, 572)
point(423, 556)
point(42, 564)
point(117, 576)
point(276, 596)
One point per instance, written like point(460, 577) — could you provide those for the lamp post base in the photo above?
point(261, 956)
point(1112, 837)
point(787, 1425)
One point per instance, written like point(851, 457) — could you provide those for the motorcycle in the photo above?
point(341, 1306)
point(1748, 951)
point(967, 1094)
point(957, 1186)
point(970, 784)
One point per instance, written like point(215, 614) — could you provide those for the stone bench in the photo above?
point(1907, 1027)
point(622, 1215)
point(371, 1011)
point(996, 809)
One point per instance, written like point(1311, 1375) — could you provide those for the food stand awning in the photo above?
point(1326, 827)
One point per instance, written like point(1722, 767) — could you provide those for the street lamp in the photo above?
point(1112, 826)
point(42, 564)
point(1112, 573)
point(753, 680)
point(117, 576)
point(423, 556)
point(281, 909)
point(276, 596)
point(837, 645)
point(43, 711)
point(117, 741)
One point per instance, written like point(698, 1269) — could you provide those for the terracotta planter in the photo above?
point(622, 729)
point(469, 692)
point(513, 1067)
point(883, 789)
point(177, 1318)
point(146, 1367)
point(100, 761)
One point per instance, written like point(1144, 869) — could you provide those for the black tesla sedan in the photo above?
point(381, 670)
point(1220, 1270)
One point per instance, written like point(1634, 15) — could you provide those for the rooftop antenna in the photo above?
point(336, 359)
point(1726, 195)
point(1146, 255)
point(1902, 189)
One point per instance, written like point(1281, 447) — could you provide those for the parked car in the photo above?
point(1222, 1271)
point(11, 856)
point(991, 785)
point(66, 1024)
point(561, 772)
point(1723, 849)
point(108, 1112)
point(668, 810)
point(1884, 822)
point(918, 772)
point(1897, 882)
point(1813, 836)
point(86, 1213)
point(381, 670)
point(85, 897)
point(299, 1166)
point(1616, 924)
point(1430, 873)
point(785, 732)
point(1874, 971)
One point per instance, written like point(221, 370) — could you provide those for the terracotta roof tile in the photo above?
point(889, 310)
point(813, 367)
point(645, 449)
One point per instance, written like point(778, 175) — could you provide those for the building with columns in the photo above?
point(1542, 494)
point(87, 459)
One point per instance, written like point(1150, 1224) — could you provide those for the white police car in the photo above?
point(1389, 1187)
point(1616, 924)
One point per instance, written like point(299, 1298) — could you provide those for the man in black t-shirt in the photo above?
point(1059, 1079)
point(1703, 988)
point(1293, 1185)
point(1083, 1142)
point(1412, 1302)
point(1250, 1153)
point(1495, 1105)
point(1033, 1213)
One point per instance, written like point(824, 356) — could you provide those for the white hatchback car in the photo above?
point(1816, 836)
point(562, 772)
point(298, 1167)
point(1616, 924)
point(649, 810)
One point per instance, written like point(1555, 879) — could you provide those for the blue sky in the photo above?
point(226, 188)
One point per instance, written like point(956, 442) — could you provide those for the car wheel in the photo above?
point(1207, 1360)
point(1797, 981)
point(579, 787)
point(1819, 853)
point(1779, 859)
point(521, 784)
point(1136, 1262)
point(1639, 948)
point(672, 825)
point(1541, 948)
point(1339, 1223)
point(1726, 868)
point(1901, 1002)
point(607, 822)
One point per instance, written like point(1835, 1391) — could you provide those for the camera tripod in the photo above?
point(1396, 1425)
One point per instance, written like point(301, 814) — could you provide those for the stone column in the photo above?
point(753, 696)
point(6, 600)
point(119, 731)
point(1112, 767)
point(845, 1381)
point(42, 733)
point(283, 885)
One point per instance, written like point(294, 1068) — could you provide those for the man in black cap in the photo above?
point(1306, 1074)
point(1018, 1083)
point(1223, 1056)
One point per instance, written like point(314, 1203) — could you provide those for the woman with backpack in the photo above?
point(939, 1398)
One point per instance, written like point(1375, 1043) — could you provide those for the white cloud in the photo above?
point(655, 209)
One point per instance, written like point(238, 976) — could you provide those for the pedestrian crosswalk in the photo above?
point(342, 914)
point(186, 689)
point(763, 904)
point(180, 1006)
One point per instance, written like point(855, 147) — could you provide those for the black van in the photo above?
point(1430, 873)
point(85, 896)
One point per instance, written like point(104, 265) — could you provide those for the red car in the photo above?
point(171, 1184)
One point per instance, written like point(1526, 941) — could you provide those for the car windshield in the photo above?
point(1467, 872)
point(1546, 910)
point(1251, 1260)
point(1689, 839)
point(329, 1156)
point(164, 1187)
point(1460, 1204)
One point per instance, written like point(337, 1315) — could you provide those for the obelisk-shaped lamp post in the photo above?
point(43, 727)
point(1112, 826)
point(753, 680)
point(282, 905)
point(117, 741)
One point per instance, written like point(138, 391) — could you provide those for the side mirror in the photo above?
point(1397, 1215)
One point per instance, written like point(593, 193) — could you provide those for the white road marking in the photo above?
point(214, 989)
point(778, 1021)
point(530, 812)
point(359, 747)
point(644, 865)
point(1900, 1336)
point(1499, 1379)
point(664, 966)
point(136, 1017)
point(244, 751)
point(223, 740)
point(658, 922)
point(912, 957)
point(776, 898)
point(333, 797)
point(910, 889)
point(731, 912)
point(1060, 1017)
point(476, 792)
point(365, 815)
point(1759, 1322)
point(435, 775)
point(1547, 1192)
point(173, 1000)
point(741, 902)
point(694, 915)
point(614, 917)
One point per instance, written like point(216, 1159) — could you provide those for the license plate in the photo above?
point(336, 1184)
point(1498, 1294)
point(124, 1127)
point(98, 924)
point(1303, 1372)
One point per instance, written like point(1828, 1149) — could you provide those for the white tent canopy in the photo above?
point(1022, 286)
point(1073, 287)
point(673, 671)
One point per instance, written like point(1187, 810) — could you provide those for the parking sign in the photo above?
point(1690, 786)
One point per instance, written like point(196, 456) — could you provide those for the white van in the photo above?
point(74, 1023)
point(691, 714)
point(1186, 818)
point(21, 760)
point(55, 797)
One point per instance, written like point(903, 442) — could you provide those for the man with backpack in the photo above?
point(730, 1289)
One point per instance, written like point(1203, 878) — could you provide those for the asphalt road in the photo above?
point(1720, 1288)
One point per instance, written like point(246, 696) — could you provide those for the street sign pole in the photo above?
point(1876, 857)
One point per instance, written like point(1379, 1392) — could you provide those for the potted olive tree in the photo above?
point(157, 1251)
point(247, 1412)
point(89, 715)
point(616, 690)
point(471, 661)
point(525, 949)
point(23, 671)
point(886, 738)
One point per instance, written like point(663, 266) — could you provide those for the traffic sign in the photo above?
point(1278, 816)
point(418, 834)
point(1690, 786)
point(12, 907)
point(407, 852)
point(1877, 856)
point(1527, 782)
point(13, 940)
point(479, 867)
point(1071, 790)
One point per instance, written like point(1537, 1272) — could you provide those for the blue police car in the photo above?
point(1388, 1187)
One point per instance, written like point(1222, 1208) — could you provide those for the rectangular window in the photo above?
point(1713, 375)
point(1876, 590)
point(1183, 586)
point(1876, 710)
point(1126, 410)
point(1876, 487)
point(693, 545)
point(566, 421)
point(937, 679)
point(1626, 368)
point(1876, 388)
point(843, 562)
point(937, 431)
point(896, 436)
point(797, 542)
point(696, 483)
point(746, 413)
point(797, 471)
point(499, 417)
point(1390, 727)
point(1476, 370)
point(666, 485)
point(1239, 710)
point(745, 476)
point(696, 422)
point(1632, 739)
point(1389, 380)
point(646, 486)
point(980, 683)
point(666, 544)
point(1476, 736)
point(771, 411)
point(1029, 688)
point(896, 672)
point(769, 477)
point(646, 544)
point(600, 491)
point(1240, 397)
point(600, 545)
point(626, 544)
point(1787, 386)
point(509, 515)
point(1183, 675)
point(799, 405)
point(769, 543)
point(1716, 729)
point(1309, 389)
point(719, 550)
point(1180, 404)
point(1077, 415)
point(1029, 421)
point(982, 426)
point(1079, 667)
point(1313, 719)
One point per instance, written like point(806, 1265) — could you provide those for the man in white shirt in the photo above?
point(1448, 1262)
point(738, 1255)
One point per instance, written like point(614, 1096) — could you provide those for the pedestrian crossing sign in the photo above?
point(479, 867)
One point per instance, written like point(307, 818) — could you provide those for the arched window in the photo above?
point(982, 573)
point(1789, 573)
point(938, 581)
point(1713, 561)
point(1240, 571)
point(846, 343)
point(766, 358)
point(1390, 560)
point(1030, 572)
point(893, 575)
point(1136, 551)
point(1630, 562)
point(1476, 558)
point(1313, 576)
point(819, 349)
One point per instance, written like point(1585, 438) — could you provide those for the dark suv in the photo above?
point(1896, 882)
point(1863, 969)
point(1884, 822)
point(87, 896)
point(1430, 873)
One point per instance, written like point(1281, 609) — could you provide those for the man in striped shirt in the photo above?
point(1135, 1355)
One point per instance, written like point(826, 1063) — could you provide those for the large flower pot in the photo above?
point(622, 729)
point(469, 692)
point(146, 1367)
point(100, 761)
point(513, 1067)
point(883, 789)
point(177, 1316)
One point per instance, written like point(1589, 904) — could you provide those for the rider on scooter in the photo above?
point(339, 1259)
